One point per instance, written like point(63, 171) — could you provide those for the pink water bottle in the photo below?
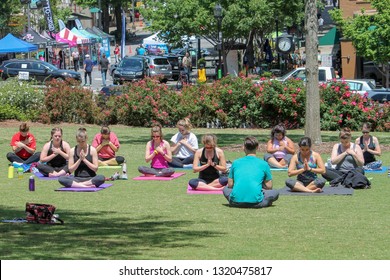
point(31, 184)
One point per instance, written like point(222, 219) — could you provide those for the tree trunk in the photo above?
point(106, 18)
point(118, 17)
point(312, 114)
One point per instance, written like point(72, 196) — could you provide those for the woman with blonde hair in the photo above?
point(184, 144)
point(54, 155)
point(83, 161)
point(209, 161)
point(346, 156)
point(158, 152)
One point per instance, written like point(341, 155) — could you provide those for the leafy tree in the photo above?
point(8, 10)
point(242, 19)
point(369, 33)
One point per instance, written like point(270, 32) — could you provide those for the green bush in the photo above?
point(21, 100)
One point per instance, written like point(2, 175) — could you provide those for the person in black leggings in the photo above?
point(209, 162)
point(83, 161)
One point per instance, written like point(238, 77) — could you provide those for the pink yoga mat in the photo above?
point(192, 191)
point(154, 178)
point(102, 187)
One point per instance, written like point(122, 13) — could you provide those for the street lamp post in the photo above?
point(218, 16)
point(277, 37)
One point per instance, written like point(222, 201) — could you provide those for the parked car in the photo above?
point(158, 66)
point(31, 69)
point(360, 86)
point(380, 95)
point(175, 62)
point(130, 68)
point(324, 74)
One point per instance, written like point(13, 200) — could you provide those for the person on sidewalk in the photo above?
point(103, 67)
point(23, 145)
point(117, 53)
point(88, 67)
point(76, 59)
point(248, 177)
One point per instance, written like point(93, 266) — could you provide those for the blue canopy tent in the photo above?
point(11, 44)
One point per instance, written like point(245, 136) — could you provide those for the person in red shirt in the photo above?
point(107, 144)
point(23, 147)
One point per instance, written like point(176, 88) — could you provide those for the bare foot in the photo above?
point(149, 175)
point(317, 190)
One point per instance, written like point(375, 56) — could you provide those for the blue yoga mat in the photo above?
point(383, 170)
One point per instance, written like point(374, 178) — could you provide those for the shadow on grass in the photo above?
point(97, 235)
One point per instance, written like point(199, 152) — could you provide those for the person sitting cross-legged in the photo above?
point(306, 164)
point(250, 180)
point(23, 145)
point(83, 161)
point(54, 156)
point(209, 161)
point(158, 151)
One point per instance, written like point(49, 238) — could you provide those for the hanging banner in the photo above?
point(123, 37)
point(48, 15)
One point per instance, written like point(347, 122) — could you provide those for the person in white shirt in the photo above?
point(183, 145)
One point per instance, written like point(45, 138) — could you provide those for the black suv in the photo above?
point(131, 68)
point(30, 69)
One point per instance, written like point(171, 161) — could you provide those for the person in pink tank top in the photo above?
point(158, 152)
point(280, 148)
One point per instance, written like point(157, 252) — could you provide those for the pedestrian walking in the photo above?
point(103, 67)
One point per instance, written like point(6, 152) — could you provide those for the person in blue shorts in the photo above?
point(250, 180)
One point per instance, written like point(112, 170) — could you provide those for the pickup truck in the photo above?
point(324, 74)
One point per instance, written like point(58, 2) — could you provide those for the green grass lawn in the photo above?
point(143, 220)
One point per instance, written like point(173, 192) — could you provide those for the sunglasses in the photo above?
point(156, 136)
point(365, 132)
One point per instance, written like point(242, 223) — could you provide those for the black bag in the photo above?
point(41, 213)
point(352, 179)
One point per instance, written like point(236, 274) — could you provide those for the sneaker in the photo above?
point(188, 166)
point(123, 177)
point(115, 176)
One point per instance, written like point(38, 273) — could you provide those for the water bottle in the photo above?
point(31, 184)
point(20, 173)
point(11, 171)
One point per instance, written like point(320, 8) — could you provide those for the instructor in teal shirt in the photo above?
point(250, 180)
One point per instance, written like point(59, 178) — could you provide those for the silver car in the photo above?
point(159, 66)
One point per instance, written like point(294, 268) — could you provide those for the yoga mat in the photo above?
point(325, 191)
point(184, 168)
point(110, 167)
point(192, 191)
point(40, 176)
point(278, 169)
point(383, 170)
point(102, 187)
point(154, 178)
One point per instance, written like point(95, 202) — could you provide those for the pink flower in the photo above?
point(244, 107)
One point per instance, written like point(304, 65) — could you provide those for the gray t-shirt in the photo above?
point(104, 63)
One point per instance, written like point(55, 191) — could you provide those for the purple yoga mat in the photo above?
point(102, 187)
point(40, 176)
point(192, 191)
point(154, 178)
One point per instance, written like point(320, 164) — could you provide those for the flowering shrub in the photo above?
point(20, 100)
point(340, 107)
point(68, 102)
point(234, 101)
